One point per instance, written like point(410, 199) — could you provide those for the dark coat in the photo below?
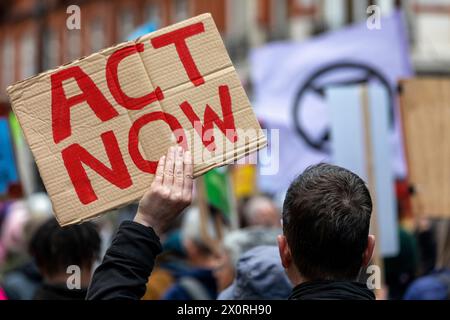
point(205, 286)
point(59, 292)
point(127, 264)
point(332, 290)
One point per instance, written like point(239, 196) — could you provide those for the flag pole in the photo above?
point(374, 227)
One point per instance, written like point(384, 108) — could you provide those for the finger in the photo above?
point(179, 175)
point(157, 181)
point(169, 167)
point(188, 178)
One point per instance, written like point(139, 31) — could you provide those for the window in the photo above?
point(334, 13)
point(386, 6)
point(8, 62)
point(238, 29)
point(181, 10)
point(28, 56)
point(359, 10)
point(280, 21)
point(153, 13)
point(237, 15)
point(73, 44)
point(97, 40)
point(431, 32)
point(126, 24)
point(51, 50)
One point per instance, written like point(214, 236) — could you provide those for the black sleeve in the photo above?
point(127, 264)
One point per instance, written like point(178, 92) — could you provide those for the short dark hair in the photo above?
point(326, 218)
point(54, 248)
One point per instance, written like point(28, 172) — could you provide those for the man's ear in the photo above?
point(368, 253)
point(285, 251)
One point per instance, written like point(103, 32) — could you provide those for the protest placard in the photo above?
point(98, 125)
point(425, 110)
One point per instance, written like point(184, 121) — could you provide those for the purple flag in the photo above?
point(290, 79)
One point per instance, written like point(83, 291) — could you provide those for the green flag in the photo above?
point(15, 130)
point(217, 189)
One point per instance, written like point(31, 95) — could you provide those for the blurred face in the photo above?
point(13, 237)
point(198, 257)
point(266, 216)
point(219, 262)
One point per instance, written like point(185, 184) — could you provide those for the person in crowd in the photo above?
point(22, 281)
point(12, 235)
point(197, 281)
point(325, 241)
point(170, 263)
point(400, 270)
point(65, 257)
point(259, 276)
point(3, 294)
point(426, 240)
point(238, 242)
point(261, 211)
point(435, 285)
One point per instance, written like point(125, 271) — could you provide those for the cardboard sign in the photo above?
point(425, 110)
point(98, 125)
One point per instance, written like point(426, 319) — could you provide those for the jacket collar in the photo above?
point(331, 290)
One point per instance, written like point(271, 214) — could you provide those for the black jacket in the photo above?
point(127, 264)
point(59, 292)
point(331, 290)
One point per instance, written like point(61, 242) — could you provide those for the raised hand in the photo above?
point(170, 192)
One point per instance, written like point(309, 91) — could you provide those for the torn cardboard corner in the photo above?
point(97, 126)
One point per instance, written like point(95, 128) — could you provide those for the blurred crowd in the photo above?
point(199, 261)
